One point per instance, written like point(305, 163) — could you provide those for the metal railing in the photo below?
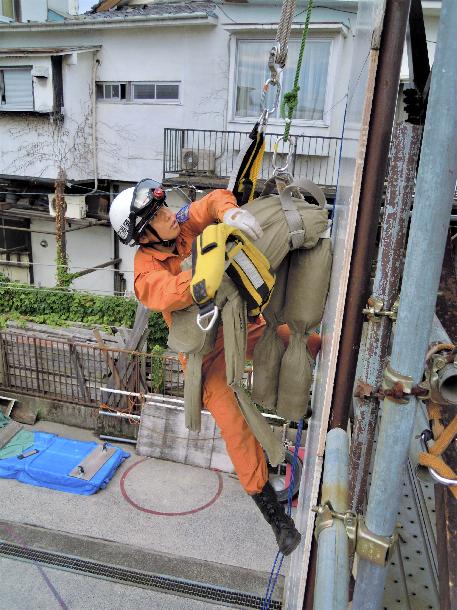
point(74, 372)
point(212, 154)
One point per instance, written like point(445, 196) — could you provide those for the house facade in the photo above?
point(165, 90)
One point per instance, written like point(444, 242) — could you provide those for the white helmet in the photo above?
point(132, 210)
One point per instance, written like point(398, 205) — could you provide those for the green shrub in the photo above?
point(61, 307)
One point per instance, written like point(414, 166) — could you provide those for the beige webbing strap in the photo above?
point(293, 217)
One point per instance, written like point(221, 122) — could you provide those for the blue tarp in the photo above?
point(56, 458)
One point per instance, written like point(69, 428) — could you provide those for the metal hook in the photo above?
point(424, 438)
point(276, 84)
point(290, 154)
point(213, 313)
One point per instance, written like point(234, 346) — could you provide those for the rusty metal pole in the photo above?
point(399, 195)
point(374, 171)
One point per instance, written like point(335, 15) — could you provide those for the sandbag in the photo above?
point(269, 349)
point(307, 287)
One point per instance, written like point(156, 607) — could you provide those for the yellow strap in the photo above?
point(256, 170)
point(434, 414)
point(445, 438)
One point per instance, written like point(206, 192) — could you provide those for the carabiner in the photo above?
point(265, 88)
point(213, 313)
point(290, 155)
point(424, 437)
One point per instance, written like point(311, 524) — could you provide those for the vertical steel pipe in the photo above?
point(399, 195)
point(332, 574)
point(431, 215)
point(374, 171)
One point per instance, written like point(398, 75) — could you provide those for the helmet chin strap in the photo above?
point(167, 243)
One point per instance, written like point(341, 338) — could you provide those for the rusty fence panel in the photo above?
point(74, 372)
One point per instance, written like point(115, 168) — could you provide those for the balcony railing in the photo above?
point(211, 154)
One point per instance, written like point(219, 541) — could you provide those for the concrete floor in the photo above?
point(229, 541)
point(24, 586)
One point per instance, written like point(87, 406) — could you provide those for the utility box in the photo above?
point(76, 206)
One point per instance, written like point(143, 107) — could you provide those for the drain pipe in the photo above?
point(436, 180)
point(331, 588)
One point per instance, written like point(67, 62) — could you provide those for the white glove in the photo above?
point(243, 220)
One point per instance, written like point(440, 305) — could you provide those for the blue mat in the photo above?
point(56, 458)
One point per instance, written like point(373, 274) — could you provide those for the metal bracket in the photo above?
point(374, 548)
point(397, 385)
point(367, 545)
point(375, 310)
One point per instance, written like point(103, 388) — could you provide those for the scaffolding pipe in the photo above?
point(332, 574)
point(424, 257)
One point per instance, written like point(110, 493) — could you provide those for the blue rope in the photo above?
point(275, 570)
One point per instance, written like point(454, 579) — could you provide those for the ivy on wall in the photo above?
point(60, 307)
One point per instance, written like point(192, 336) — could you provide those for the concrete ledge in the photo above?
point(28, 409)
point(114, 554)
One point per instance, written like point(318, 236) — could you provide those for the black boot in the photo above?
point(287, 536)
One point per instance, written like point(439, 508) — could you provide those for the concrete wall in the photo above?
point(34, 10)
point(86, 248)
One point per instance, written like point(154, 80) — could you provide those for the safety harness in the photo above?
point(221, 248)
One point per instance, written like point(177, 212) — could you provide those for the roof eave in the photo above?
point(197, 19)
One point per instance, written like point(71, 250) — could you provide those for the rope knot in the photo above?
point(290, 100)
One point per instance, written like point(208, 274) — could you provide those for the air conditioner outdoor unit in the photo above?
point(76, 206)
point(198, 160)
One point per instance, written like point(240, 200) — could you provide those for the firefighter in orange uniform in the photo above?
point(140, 216)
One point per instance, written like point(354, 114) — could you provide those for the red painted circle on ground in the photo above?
point(166, 514)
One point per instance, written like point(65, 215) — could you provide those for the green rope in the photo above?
point(290, 99)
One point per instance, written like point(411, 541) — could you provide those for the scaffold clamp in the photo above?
point(326, 516)
point(372, 547)
point(375, 310)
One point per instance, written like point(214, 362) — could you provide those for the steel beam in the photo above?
point(437, 176)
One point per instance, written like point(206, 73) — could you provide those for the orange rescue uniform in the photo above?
point(161, 285)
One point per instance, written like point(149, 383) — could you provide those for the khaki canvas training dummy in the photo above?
point(293, 245)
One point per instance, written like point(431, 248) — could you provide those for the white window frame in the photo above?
point(129, 100)
point(257, 36)
point(5, 107)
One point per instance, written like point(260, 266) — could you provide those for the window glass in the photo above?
point(114, 92)
point(144, 91)
point(252, 72)
point(167, 92)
